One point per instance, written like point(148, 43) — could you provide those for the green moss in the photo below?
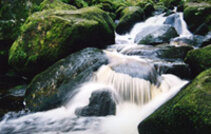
point(188, 112)
point(53, 34)
point(199, 59)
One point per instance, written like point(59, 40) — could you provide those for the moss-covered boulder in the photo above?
point(50, 88)
point(199, 59)
point(189, 112)
point(50, 35)
point(198, 17)
point(130, 16)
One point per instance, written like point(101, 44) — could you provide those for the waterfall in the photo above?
point(136, 87)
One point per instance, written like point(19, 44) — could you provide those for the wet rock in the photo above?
point(197, 16)
point(130, 16)
point(50, 35)
point(199, 59)
point(101, 103)
point(187, 112)
point(179, 69)
point(153, 35)
point(194, 40)
point(160, 52)
point(49, 89)
point(136, 69)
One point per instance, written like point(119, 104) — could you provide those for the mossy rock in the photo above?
point(198, 17)
point(65, 75)
point(199, 59)
point(189, 112)
point(130, 16)
point(50, 35)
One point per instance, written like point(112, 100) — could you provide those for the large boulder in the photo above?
point(130, 16)
point(189, 112)
point(156, 35)
point(101, 103)
point(199, 59)
point(50, 35)
point(198, 17)
point(49, 89)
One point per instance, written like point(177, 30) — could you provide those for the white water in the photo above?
point(136, 97)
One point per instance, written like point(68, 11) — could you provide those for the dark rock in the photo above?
point(199, 59)
point(156, 35)
point(101, 103)
point(10, 103)
point(49, 89)
point(130, 16)
point(187, 113)
point(179, 69)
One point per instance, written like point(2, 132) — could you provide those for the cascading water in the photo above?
point(136, 88)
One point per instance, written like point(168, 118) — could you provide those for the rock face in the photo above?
point(101, 103)
point(50, 35)
point(199, 59)
point(49, 88)
point(130, 16)
point(198, 17)
point(156, 35)
point(188, 112)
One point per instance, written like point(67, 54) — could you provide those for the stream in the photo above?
point(138, 78)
